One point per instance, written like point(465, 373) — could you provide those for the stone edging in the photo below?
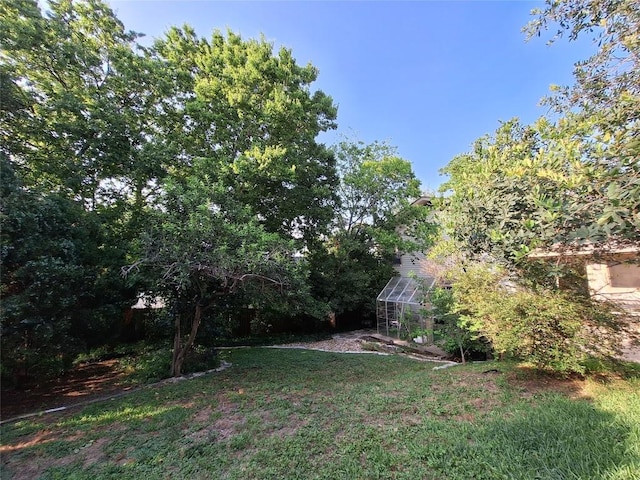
point(224, 365)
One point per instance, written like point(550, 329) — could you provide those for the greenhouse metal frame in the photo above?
point(400, 308)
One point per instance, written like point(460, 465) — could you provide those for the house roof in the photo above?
point(586, 250)
point(423, 200)
point(403, 290)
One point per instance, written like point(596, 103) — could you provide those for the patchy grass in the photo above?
point(291, 414)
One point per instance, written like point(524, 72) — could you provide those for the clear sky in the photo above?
point(428, 77)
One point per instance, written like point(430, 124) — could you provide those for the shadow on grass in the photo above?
point(562, 439)
point(558, 438)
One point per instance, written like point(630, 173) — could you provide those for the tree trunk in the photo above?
point(176, 347)
point(462, 354)
point(180, 351)
point(332, 319)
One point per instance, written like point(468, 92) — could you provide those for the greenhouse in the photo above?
point(402, 311)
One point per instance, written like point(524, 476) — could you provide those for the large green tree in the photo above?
point(56, 297)
point(251, 113)
point(568, 182)
point(204, 247)
point(80, 113)
point(91, 119)
point(525, 187)
point(605, 95)
point(248, 121)
point(562, 183)
point(84, 102)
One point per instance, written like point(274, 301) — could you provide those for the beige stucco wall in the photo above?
point(617, 281)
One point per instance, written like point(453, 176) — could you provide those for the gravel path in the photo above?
point(341, 342)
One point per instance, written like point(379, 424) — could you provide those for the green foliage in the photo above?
point(147, 362)
point(375, 190)
point(108, 137)
point(373, 221)
point(56, 295)
point(608, 82)
point(532, 186)
point(606, 94)
point(348, 276)
point(571, 182)
point(84, 104)
point(251, 123)
point(204, 247)
point(553, 330)
point(76, 129)
point(566, 184)
point(251, 114)
point(454, 331)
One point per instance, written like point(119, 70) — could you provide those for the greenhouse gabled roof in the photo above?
point(401, 290)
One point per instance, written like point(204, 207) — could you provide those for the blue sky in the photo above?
point(428, 77)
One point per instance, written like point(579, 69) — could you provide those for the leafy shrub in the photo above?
point(456, 337)
point(200, 359)
point(151, 362)
point(549, 328)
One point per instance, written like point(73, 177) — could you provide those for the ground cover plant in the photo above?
point(306, 414)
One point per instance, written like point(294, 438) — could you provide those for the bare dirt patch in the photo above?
point(228, 422)
point(82, 383)
point(28, 469)
point(279, 429)
point(203, 415)
point(202, 428)
point(94, 452)
point(531, 382)
point(228, 425)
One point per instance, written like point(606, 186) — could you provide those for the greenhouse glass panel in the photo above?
point(401, 310)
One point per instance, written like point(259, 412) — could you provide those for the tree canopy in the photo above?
point(374, 221)
point(83, 102)
point(606, 97)
point(146, 153)
point(565, 182)
point(203, 247)
point(191, 162)
point(571, 181)
point(250, 113)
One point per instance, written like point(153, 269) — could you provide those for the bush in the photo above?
point(152, 362)
point(552, 329)
point(456, 337)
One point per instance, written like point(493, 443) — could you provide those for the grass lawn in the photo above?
point(296, 414)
